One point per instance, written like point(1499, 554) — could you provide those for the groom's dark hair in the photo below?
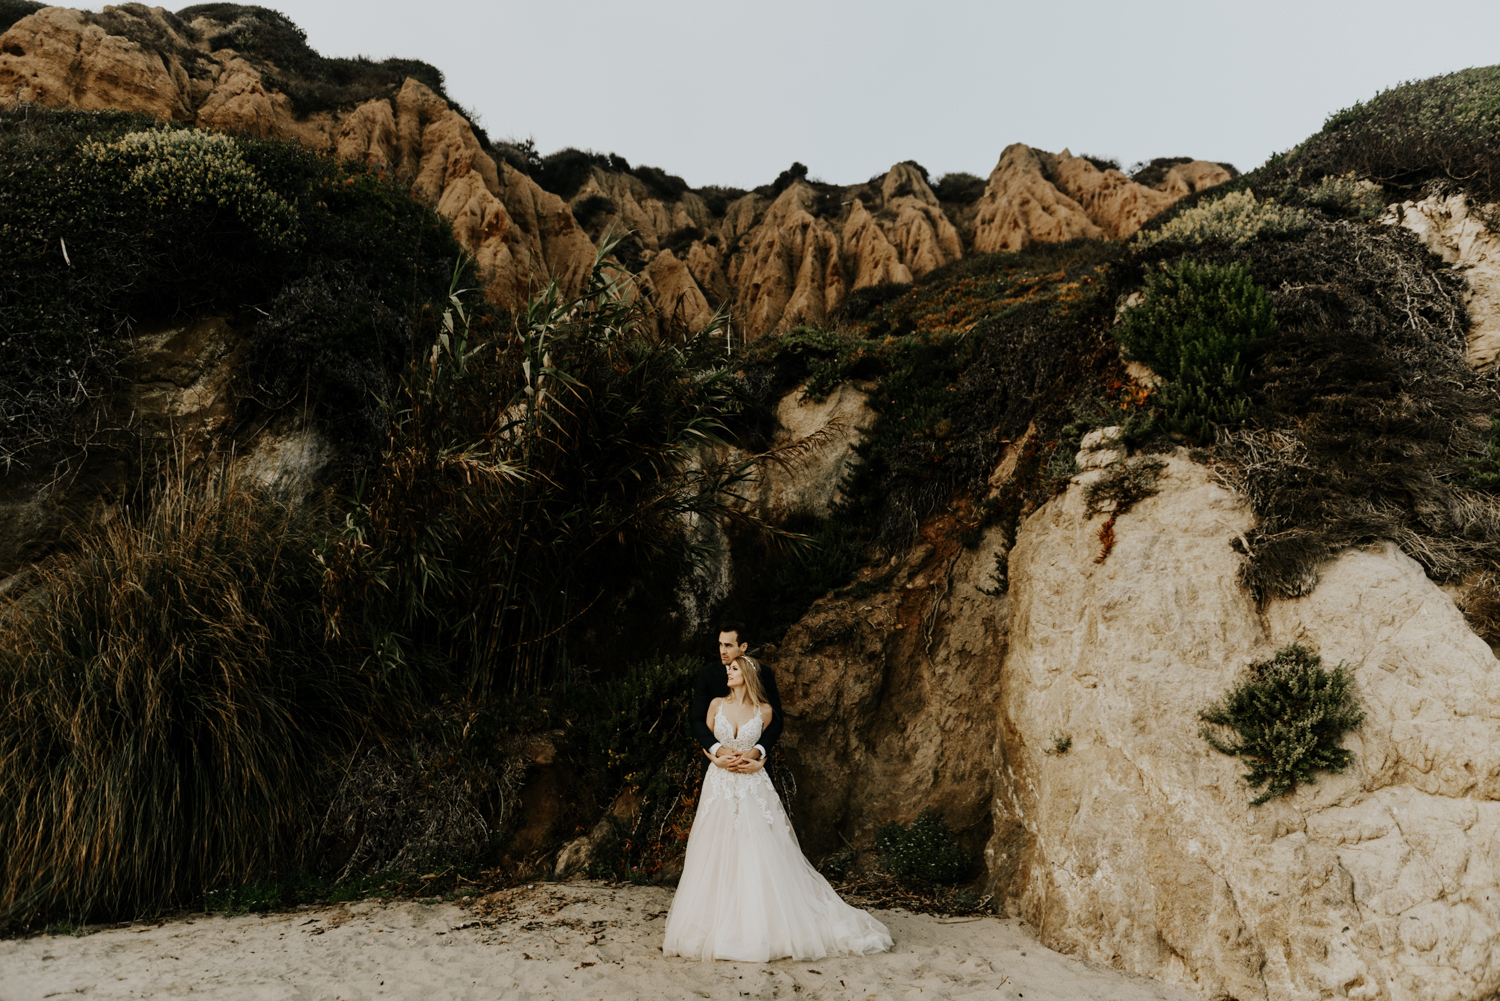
point(737, 627)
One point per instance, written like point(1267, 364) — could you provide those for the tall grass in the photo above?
point(533, 481)
point(166, 701)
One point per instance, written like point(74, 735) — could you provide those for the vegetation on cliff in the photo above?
point(1286, 717)
point(111, 222)
point(352, 686)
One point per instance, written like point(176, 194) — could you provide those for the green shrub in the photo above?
point(1482, 471)
point(12, 11)
point(925, 848)
point(181, 170)
point(1440, 129)
point(638, 723)
point(1154, 172)
point(959, 187)
point(1234, 219)
point(525, 473)
point(1195, 327)
point(1345, 195)
point(1286, 716)
point(360, 251)
point(167, 706)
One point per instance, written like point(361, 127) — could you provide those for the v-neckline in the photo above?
point(737, 729)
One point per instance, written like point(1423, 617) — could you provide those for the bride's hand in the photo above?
point(727, 761)
point(748, 766)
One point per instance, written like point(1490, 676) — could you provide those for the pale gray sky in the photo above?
point(731, 94)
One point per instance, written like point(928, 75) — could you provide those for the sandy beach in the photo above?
point(569, 941)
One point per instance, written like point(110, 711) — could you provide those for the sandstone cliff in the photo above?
point(1038, 197)
point(1135, 846)
point(775, 262)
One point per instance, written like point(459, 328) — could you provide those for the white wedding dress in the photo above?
point(747, 893)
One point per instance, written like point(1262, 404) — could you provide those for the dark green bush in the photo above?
point(1195, 327)
point(959, 187)
point(589, 211)
point(1101, 162)
point(1483, 471)
point(12, 11)
point(785, 179)
point(270, 219)
point(525, 474)
point(1154, 172)
point(925, 848)
point(1286, 717)
point(1439, 129)
point(718, 198)
point(636, 730)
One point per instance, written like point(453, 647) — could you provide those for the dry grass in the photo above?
point(168, 701)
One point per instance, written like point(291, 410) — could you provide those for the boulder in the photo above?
point(1138, 848)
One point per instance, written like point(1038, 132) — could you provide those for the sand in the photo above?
point(559, 941)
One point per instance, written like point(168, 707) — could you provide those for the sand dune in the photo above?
point(566, 941)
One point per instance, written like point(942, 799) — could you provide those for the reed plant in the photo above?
point(167, 700)
point(534, 480)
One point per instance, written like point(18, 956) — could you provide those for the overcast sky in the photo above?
point(732, 93)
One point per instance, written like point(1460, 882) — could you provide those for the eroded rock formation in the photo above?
point(1038, 197)
point(777, 262)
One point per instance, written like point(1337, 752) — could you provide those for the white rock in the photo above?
point(1139, 848)
point(1101, 447)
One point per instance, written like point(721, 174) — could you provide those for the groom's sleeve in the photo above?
point(772, 733)
point(699, 711)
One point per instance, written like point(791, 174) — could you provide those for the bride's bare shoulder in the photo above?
point(766, 712)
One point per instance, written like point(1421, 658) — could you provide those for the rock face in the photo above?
point(1038, 197)
point(175, 387)
point(775, 262)
point(889, 698)
point(1137, 846)
point(1454, 231)
point(808, 484)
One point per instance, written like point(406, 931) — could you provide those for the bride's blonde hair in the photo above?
point(750, 668)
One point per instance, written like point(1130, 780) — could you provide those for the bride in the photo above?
point(747, 893)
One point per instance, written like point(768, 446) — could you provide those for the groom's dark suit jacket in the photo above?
point(712, 685)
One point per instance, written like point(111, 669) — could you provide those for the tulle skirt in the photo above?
point(748, 894)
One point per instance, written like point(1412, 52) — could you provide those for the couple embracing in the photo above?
point(747, 893)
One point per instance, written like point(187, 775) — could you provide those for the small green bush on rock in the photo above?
point(924, 848)
point(1235, 219)
point(1194, 327)
point(1287, 716)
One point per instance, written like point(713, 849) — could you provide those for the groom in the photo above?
point(734, 640)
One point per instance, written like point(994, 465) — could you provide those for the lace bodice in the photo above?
point(749, 732)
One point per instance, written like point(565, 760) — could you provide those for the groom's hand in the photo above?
point(726, 761)
point(748, 766)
